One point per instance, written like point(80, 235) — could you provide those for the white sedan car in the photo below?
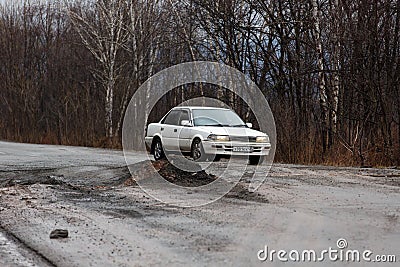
point(205, 131)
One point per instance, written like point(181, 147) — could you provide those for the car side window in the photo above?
point(184, 116)
point(173, 117)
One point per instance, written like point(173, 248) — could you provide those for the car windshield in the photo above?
point(217, 117)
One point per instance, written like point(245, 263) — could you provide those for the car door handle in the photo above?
point(162, 129)
point(175, 130)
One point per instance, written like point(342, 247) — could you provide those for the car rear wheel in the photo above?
point(198, 151)
point(255, 160)
point(158, 150)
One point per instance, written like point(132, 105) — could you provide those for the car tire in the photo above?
point(216, 158)
point(255, 160)
point(197, 151)
point(158, 150)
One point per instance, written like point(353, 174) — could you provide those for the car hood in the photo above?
point(233, 131)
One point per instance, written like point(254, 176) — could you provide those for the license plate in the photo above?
point(242, 149)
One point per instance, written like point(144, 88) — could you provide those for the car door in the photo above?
point(184, 132)
point(169, 130)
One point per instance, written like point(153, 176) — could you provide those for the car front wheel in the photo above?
point(255, 160)
point(198, 151)
point(158, 150)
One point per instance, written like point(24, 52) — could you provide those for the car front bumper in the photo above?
point(236, 148)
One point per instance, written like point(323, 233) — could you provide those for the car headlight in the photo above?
point(219, 138)
point(262, 139)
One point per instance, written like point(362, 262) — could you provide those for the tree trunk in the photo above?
point(336, 66)
point(321, 77)
point(109, 111)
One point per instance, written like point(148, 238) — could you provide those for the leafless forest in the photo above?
point(330, 69)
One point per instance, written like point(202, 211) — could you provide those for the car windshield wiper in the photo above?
point(214, 125)
point(239, 125)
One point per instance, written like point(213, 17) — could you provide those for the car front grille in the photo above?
point(243, 138)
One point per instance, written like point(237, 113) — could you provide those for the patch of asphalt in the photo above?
point(14, 252)
point(335, 176)
point(78, 177)
point(92, 181)
point(126, 222)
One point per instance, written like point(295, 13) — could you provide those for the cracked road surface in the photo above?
point(114, 223)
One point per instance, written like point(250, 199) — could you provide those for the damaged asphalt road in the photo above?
point(112, 222)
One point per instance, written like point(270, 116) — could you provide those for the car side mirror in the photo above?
point(186, 123)
point(249, 124)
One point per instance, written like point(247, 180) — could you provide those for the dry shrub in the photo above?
point(49, 138)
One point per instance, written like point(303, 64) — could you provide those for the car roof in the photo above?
point(198, 107)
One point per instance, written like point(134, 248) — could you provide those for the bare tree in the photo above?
point(144, 27)
point(323, 96)
point(103, 33)
point(336, 14)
